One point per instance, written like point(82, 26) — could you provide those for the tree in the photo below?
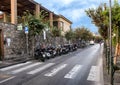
point(100, 17)
point(83, 34)
point(55, 32)
point(116, 29)
point(70, 35)
point(35, 26)
point(98, 39)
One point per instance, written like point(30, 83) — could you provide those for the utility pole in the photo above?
point(111, 57)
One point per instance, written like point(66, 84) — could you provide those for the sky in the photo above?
point(74, 10)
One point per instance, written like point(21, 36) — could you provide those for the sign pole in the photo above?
point(26, 32)
point(27, 43)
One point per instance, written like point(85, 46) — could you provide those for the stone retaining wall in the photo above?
point(17, 46)
point(17, 39)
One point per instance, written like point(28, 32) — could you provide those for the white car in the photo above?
point(92, 42)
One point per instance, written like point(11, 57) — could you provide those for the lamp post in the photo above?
point(110, 43)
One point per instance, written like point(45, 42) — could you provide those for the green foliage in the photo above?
point(70, 35)
point(83, 33)
point(56, 32)
point(26, 17)
point(100, 18)
point(35, 24)
point(43, 18)
point(98, 39)
point(79, 33)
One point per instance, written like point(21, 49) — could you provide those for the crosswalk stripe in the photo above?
point(72, 73)
point(7, 79)
point(40, 68)
point(24, 68)
point(14, 66)
point(55, 70)
point(94, 74)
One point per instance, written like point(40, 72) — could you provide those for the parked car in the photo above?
point(92, 42)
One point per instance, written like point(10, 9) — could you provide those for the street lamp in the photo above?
point(110, 43)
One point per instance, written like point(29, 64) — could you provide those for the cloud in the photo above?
point(77, 14)
point(74, 14)
point(65, 2)
point(74, 10)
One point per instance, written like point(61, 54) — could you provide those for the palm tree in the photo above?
point(35, 26)
point(55, 32)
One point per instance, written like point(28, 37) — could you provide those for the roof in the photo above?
point(23, 5)
point(61, 16)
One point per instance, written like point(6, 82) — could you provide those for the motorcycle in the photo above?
point(51, 52)
point(40, 54)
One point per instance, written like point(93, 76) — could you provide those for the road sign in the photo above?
point(26, 29)
point(44, 35)
point(19, 27)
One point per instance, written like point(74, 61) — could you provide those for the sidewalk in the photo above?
point(6, 63)
point(107, 76)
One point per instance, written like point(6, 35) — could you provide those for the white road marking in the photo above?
point(14, 66)
point(94, 74)
point(40, 68)
point(24, 68)
point(56, 70)
point(7, 79)
point(73, 72)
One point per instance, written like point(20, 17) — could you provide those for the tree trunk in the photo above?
point(33, 45)
point(117, 52)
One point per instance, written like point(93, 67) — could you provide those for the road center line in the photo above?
point(73, 72)
point(7, 79)
point(56, 70)
point(40, 68)
point(94, 74)
point(14, 66)
point(24, 68)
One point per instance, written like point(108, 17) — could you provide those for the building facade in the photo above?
point(11, 15)
point(64, 24)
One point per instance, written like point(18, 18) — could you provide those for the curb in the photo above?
point(22, 61)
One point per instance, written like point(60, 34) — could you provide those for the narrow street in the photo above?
point(82, 67)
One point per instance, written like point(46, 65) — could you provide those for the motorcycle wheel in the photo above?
point(43, 60)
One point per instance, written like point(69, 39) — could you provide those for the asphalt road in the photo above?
point(82, 67)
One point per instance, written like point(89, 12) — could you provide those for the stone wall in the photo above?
point(17, 39)
point(14, 41)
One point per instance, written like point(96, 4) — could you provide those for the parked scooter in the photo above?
point(51, 52)
point(40, 54)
